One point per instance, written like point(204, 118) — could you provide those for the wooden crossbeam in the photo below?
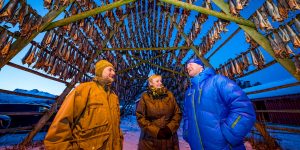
point(150, 48)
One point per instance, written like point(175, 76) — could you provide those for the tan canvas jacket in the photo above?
point(89, 118)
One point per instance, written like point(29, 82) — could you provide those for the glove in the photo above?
point(164, 133)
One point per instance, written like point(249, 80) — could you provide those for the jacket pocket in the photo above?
point(95, 142)
point(95, 117)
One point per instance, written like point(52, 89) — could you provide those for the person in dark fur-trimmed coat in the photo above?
point(158, 116)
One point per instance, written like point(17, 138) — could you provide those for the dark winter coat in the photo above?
point(217, 113)
point(153, 114)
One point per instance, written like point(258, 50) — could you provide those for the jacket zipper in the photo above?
point(236, 121)
point(197, 127)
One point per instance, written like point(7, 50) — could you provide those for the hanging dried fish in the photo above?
point(295, 39)
point(256, 22)
point(232, 8)
point(254, 58)
point(65, 2)
point(53, 70)
point(288, 51)
point(261, 59)
point(238, 68)
point(3, 38)
point(246, 62)
point(1, 4)
point(233, 69)
point(293, 4)
point(278, 40)
point(277, 50)
point(284, 35)
point(283, 9)
point(47, 4)
point(26, 27)
point(297, 63)
point(27, 54)
point(273, 11)
point(31, 57)
point(297, 25)
point(9, 9)
point(6, 48)
point(263, 23)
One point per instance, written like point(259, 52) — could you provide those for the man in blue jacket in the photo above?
point(217, 113)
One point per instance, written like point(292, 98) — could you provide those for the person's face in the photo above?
point(156, 82)
point(193, 69)
point(109, 73)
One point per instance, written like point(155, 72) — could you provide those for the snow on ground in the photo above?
point(131, 130)
point(131, 133)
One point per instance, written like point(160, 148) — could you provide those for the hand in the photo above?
point(164, 133)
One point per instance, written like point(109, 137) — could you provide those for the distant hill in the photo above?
point(35, 92)
point(12, 98)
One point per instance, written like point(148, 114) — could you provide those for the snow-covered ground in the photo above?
point(131, 133)
point(131, 130)
point(129, 127)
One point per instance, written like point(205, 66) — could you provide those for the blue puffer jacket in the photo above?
point(217, 113)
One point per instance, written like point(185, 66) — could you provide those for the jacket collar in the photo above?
point(207, 72)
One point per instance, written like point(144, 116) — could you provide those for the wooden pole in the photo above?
point(226, 16)
point(272, 144)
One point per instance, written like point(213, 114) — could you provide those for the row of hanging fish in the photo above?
point(277, 12)
point(236, 67)
point(280, 38)
point(14, 13)
point(55, 4)
point(212, 36)
point(42, 59)
point(203, 17)
point(5, 43)
point(252, 42)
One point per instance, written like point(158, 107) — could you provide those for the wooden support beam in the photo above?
point(36, 72)
point(262, 41)
point(20, 43)
point(261, 128)
point(199, 55)
point(274, 88)
point(86, 14)
point(163, 68)
point(150, 48)
point(279, 111)
point(25, 113)
point(226, 16)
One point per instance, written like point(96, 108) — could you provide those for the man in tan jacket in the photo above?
point(89, 118)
